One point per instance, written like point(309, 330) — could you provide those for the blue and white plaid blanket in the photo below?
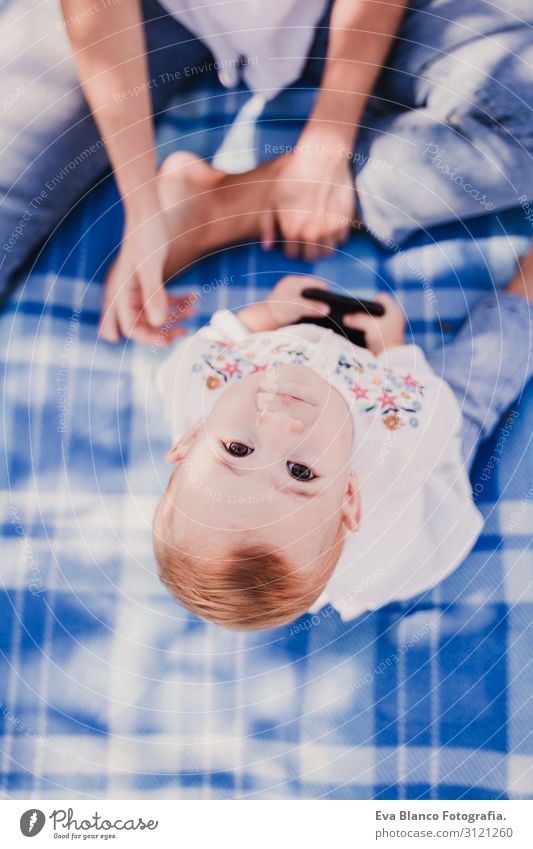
point(107, 688)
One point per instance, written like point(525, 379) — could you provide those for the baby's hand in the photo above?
point(285, 304)
point(386, 331)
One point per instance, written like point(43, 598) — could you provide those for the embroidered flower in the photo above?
point(231, 369)
point(392, 421)
point(409, 380)
point(386, 393)
point(343, 362)
point(359, 391)
point(387, 400)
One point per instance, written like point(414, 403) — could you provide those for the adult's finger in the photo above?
point(290, 223)
point(180, 308)
point(327, 247)
point(108, 328)
point(310, 248)
point(134, 325)
point(341, 233)
point(154, 294)
point(267, 228)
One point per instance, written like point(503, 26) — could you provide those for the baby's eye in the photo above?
point(301, 472)
point(237, 449)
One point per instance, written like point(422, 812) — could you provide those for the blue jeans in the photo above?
point(488, 364)
point(51, 152)
point(448, 132)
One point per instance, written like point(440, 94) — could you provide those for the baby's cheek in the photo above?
point(296, 425)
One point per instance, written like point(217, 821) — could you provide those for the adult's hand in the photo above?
point(136, 304)
point(110, 52)
point(312, 201)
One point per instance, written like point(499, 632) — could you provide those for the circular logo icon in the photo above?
point(32, 822)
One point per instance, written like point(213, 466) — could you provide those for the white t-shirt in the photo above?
point(272, 38)
point(418, 518)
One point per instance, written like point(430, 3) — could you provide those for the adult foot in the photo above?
point(207, 209)
point(186, 188)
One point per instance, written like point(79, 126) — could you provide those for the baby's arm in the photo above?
point(383, 332)
point(285, 305)
point(388, 331)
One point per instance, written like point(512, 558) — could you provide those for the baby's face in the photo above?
point(272, 459)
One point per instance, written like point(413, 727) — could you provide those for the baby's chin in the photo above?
point(300, 374)
point(301, 381)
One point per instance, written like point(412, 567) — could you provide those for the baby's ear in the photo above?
point(181, 448)
point(351, 504)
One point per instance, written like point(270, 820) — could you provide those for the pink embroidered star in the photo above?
point(359, 392)
point(231, 368)
point(387, 400)
point(409, 380)
point(256, 368)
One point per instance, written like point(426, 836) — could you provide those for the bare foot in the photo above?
point(185, 187)
point(208, 209)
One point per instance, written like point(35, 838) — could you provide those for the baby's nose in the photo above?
point(290, 423)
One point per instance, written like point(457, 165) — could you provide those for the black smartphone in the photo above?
point(343, 303)
point(339, 306)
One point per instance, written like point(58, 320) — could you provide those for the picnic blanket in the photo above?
point(108, 689)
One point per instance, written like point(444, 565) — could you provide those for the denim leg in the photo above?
point(51, 152)
point(432, 31)
point(488, 364)
point(449, 131)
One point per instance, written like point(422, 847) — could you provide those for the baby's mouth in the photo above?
point(292, 398)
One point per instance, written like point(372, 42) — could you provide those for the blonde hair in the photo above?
point(250, 589)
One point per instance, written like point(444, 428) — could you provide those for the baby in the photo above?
point(309, 471)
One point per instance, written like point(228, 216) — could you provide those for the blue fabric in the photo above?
point(109, 689)
point(488, 364)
